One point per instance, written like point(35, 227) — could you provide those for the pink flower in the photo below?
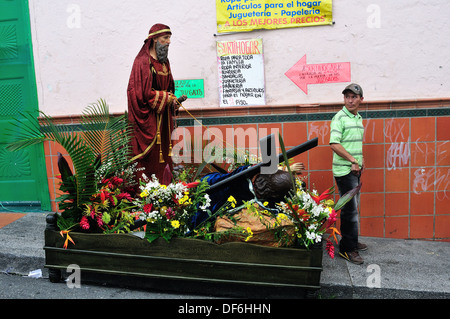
point(99, 220)
point(84, 223)
point(92, 210)
point(330, 248)
point(331, 218)
point(170, 213)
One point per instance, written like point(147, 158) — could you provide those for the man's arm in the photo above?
point(342, 152)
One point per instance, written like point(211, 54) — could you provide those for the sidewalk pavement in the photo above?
point(392, 269)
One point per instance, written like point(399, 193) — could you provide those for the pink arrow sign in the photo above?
point(303, 74)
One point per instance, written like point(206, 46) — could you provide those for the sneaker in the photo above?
point(352, 256)
point(361, 246)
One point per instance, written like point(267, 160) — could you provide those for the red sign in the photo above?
point(303, 74)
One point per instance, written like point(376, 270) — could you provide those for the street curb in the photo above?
point(354, 292)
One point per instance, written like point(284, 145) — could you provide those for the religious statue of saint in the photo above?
point(152, 105)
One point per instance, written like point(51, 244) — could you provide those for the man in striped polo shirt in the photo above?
point(346, 137)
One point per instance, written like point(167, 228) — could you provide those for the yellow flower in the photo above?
point(232, 200)
point(249, 233)
point(266, 203)
point(329, 202)
point(280, 217)
point(184, 199)
point(144, 193)
point(175, 224)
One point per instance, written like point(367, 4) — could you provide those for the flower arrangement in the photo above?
point(109, 209)
point(168, 209)
point(312, 216)
point(97, 196)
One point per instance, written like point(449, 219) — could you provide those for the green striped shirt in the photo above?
point(346, 129)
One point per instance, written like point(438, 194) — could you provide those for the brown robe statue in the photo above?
point(150, 108)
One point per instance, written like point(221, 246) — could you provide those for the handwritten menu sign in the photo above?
point(241, 72)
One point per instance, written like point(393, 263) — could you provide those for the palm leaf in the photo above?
point(108, 136)
point(102, 134)
point(25, 132)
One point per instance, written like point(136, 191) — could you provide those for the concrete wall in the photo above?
point(84, 50)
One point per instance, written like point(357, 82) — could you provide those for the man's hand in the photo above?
point(356, 170)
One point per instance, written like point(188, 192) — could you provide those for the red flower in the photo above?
point(116, 180)
point(192, 185)
point(148, 208)
point(84, 223)
point(300, 212)
point(124, 196)
point(325, 195)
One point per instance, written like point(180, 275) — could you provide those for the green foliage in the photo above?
point(99, 139)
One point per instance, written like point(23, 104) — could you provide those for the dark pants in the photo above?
point(349, 213)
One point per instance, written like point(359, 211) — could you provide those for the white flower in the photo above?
point(315, 212)
point(207, 202)
point(152, 216)
point(310, 235)
point(313, 236)
point(318, 238)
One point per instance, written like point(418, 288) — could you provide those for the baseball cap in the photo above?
point(355, 88)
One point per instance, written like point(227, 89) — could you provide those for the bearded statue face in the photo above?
point(162, 48)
